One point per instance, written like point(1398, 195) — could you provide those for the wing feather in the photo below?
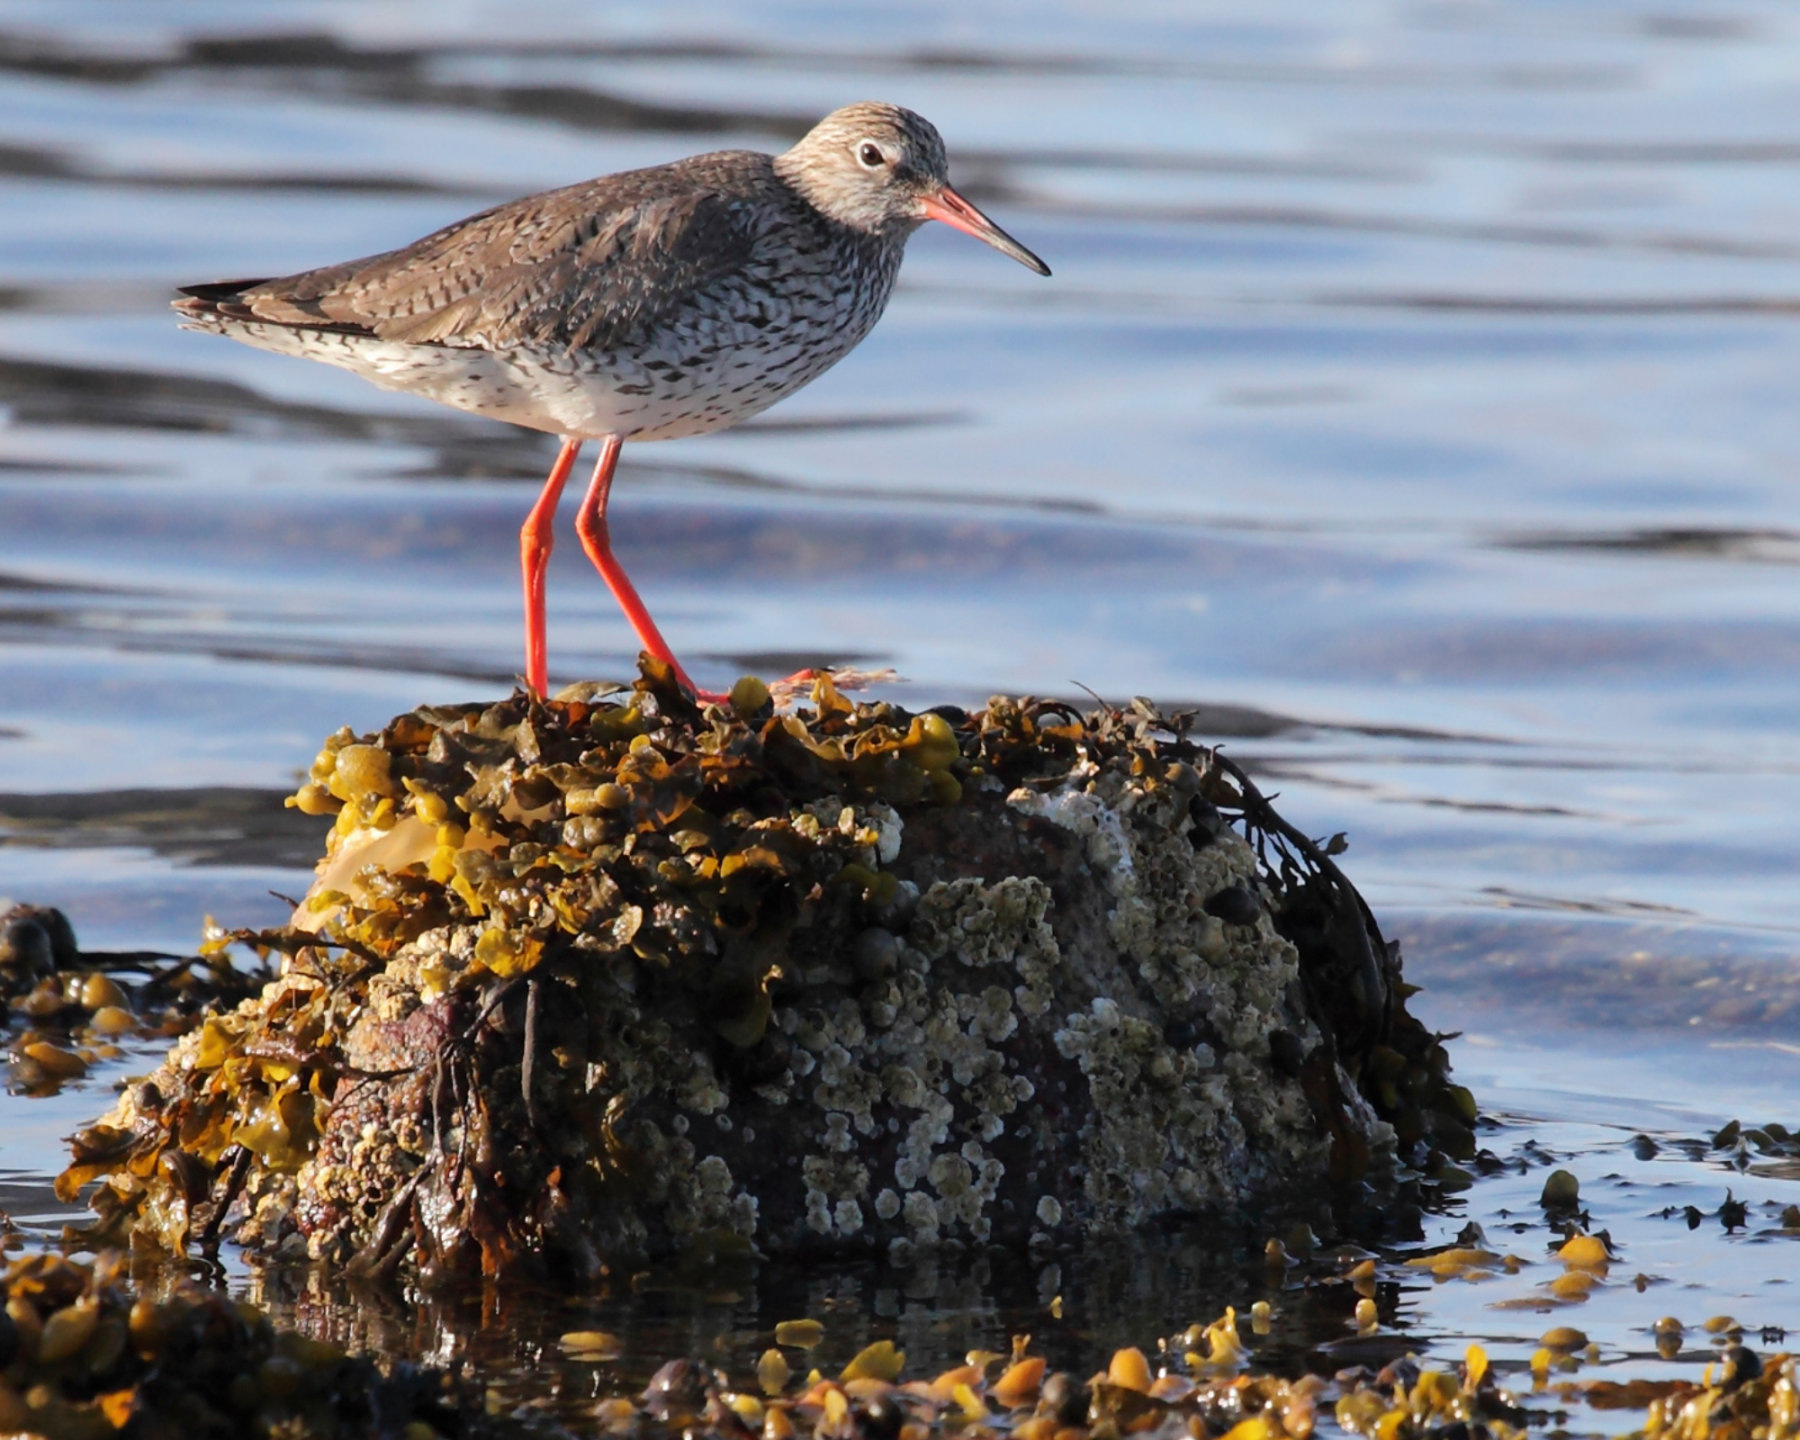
point(591, 265)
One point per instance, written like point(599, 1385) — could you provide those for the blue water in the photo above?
point(1415, 389)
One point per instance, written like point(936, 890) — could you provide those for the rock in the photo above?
point(612, 975)
point(35, 940)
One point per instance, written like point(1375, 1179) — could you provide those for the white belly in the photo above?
point(566, 393)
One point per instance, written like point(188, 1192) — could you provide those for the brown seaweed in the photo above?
point(85, 1354)
point(69, 1008)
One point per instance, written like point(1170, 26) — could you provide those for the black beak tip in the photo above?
point(1026, 258)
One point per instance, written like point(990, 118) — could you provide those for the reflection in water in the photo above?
point(1765, 546)
point(213, 826)
point(1414, 394)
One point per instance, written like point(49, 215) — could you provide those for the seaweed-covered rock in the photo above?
point(613, 974)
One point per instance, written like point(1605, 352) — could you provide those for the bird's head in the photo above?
point(882, 169)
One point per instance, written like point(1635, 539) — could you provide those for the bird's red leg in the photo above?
point(596, 539)
point(536, 537)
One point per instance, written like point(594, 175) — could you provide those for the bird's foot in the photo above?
point(800, 685)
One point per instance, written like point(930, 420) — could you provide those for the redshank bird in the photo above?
point(640, 306)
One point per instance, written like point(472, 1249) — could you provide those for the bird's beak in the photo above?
point(946, 205)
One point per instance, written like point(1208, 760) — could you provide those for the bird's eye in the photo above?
point(871, 156)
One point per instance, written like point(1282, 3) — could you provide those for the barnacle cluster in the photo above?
point(84, 1355)
point(615, 973)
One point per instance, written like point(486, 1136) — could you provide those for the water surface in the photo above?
point(1414, 391)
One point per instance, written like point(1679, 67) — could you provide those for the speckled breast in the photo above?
point(727, 353)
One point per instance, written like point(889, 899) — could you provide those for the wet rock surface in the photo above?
point(615, 975)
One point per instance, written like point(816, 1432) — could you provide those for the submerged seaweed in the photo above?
point(88, 1352)
point(67, 1008)
point(85, 1355)
point(614, 973)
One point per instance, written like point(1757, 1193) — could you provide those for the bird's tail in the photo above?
point(206, 305)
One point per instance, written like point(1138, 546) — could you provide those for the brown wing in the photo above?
point(589, 265)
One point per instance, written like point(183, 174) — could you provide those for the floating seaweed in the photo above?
point(615, 974)
point(67, 1009)
point(87, 1354)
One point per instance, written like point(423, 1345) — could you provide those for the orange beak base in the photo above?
point(953, 210)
